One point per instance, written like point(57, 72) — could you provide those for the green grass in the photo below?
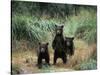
point(90, 64)
point(83, 26)
point(37, 29)
point(30, 28)
point(15, 69)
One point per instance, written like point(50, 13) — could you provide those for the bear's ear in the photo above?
point(55, 25)
point(72, 38)
point(39, 43)
point(66, 37)
point(62, 26)
point(47, 43)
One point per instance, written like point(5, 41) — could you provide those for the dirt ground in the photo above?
point(27, 60)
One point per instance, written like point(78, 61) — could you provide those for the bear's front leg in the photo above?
point(47, 59)
point(39, 62)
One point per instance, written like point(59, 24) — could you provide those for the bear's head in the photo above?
point(69, 41)
point(43, 47)
point(59, 29)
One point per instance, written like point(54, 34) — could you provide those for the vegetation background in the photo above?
point(34, 22)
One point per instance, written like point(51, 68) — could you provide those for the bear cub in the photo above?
point(58, 45)
point(69, 45)
point(43, 53)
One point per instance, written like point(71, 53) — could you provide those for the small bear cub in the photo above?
point(43, 53)
point(69, 45)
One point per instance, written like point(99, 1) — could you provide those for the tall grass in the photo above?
point(31, 28)
point(83, 26)
point(34, 29)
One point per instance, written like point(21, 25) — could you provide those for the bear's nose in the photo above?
point(68, 43)
point(58, 31)
point(42, 50)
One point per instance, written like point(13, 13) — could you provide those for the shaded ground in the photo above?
point(26, 60)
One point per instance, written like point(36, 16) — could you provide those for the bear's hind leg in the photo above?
point(55, 59)
point(64, 58)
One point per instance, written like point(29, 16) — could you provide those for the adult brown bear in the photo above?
point(58, 45)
